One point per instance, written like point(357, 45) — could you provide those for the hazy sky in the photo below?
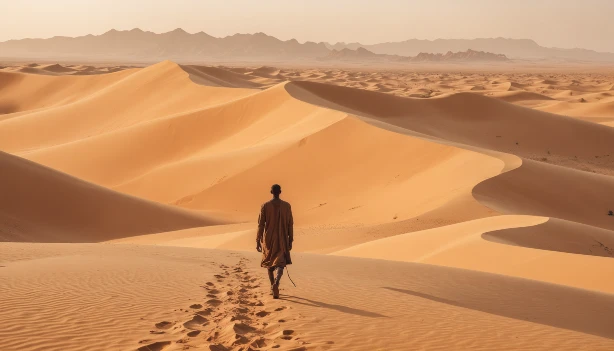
point(561, 23)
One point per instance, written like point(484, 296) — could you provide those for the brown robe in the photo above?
point(276, 224)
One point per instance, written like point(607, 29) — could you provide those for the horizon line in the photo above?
point(293, 39)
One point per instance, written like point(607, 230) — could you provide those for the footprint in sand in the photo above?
point(205, 312)
point(226, 320)
point(196, 323)
point(262, 313)
point(156, 346)
point(193, 333)
point(241, 310)
point(240, 317)
point(287, 334)
point(249, 303)
point(164, 325)
point(259, 343)
point(214, 302)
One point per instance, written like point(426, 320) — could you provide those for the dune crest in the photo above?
point(43, 205)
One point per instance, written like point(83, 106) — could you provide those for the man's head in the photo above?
point(276, 190)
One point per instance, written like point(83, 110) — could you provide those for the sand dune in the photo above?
point(177, 95)
point(536, 189)
point(491, 190)
point(462, 246)
point(43, 205)
point(478, 121)
point(57, 69)
point(559, 235)
point(25, 92)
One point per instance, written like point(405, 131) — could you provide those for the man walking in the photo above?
point(275, 236)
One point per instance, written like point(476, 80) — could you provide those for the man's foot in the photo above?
point(275, 289)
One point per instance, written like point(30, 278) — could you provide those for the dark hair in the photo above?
point(276, 189)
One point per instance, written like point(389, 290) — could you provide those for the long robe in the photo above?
point(275, 230)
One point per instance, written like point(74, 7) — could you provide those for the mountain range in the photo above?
point(137, 45)
point(362, 54)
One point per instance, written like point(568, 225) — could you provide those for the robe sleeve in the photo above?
point(261, 223)
point(290, 226)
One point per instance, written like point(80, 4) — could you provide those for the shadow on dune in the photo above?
point(591, 317)
point(40, 204)
point(541, 189)
point(7, 108)
point(340, 308)
point(217, 77)
point(558, 235)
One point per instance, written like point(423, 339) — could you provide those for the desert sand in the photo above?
point(441, 210)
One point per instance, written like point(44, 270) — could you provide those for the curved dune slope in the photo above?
point(559, 235)
point(476, 120)
point(154, 92)
point(462, 246)
point(42, 205)
point(546, 190)
point(26, 92)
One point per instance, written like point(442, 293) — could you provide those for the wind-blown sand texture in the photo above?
point(434, 211)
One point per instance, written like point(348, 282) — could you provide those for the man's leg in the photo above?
point(279, 273)
point(271, 271)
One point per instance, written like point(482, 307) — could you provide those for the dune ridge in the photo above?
point(43, 205)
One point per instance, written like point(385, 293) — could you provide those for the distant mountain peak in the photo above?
point(178, 31)
point(364, 54)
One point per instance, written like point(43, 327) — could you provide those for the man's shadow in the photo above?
point(340, 308)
